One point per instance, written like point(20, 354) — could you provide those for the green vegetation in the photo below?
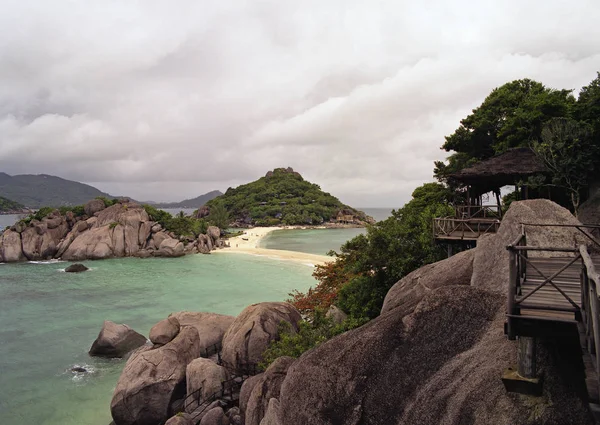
point(113, 225)
point(281, 197)
point(7, 205)
point(309, 335)
point(218, 215)
point(180, 225)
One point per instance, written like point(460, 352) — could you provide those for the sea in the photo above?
point(49, 318)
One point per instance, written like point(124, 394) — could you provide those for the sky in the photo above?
point(166, 100)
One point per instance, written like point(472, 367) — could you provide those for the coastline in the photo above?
point(248, 243)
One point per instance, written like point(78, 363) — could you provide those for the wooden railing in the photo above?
point(590, 308)
point(478, 211)
point(456, 228)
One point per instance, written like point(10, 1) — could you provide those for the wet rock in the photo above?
point(116, 340)
point(76, 268)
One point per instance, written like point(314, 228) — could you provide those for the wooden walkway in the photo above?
point(553, 293)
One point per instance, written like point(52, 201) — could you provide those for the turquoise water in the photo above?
point(312, 241)
point(318, 241)
point(49, 319)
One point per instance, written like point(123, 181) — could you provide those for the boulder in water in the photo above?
point(116, 340)
point(76, 268)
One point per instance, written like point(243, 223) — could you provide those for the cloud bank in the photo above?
point(167, 100)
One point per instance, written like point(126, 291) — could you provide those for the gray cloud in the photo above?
point(166, 100)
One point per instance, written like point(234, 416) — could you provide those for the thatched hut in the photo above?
point(506, 169)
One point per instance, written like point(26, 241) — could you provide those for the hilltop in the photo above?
point(196, 202)
point(39, 190)
point(282, 196)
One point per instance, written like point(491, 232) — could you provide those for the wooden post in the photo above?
point(449, 250)
point(512, 289)
point(526, 356)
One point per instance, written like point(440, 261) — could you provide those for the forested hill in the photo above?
point(7, 206)
point(36, 191)
point(282, 196)
point(196, 202)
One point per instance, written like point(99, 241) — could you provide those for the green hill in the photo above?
point(36, 191)
point(196, 202)
point(6, 205)
point(284, 197)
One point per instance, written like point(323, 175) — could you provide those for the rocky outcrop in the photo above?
point(410, 290)
point(211, 327)
point(153, 378)
point(272, 415)
point(215, 416)
point(170, 248)
point(121, 230)
point(336, 314)
point(205, 375)
point(11, 248)
point(267, 387)
point(94, 206)
point(116, 340)
point(253, 330)
point(180, 420)
point(164, 331)
point(76, 268)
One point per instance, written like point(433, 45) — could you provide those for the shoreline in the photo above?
point(248, 243)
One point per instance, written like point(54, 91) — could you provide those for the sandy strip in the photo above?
point(249, 241)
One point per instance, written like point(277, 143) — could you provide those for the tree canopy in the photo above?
point(511, 116)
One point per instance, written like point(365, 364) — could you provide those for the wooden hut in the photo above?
point(473, 218)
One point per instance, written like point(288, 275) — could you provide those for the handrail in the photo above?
point(589, 265)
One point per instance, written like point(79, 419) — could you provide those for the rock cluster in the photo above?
point(156, 379)
point(120, 230)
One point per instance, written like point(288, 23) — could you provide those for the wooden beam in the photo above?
point(526, 356)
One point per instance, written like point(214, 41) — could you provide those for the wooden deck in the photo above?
point(467, 229)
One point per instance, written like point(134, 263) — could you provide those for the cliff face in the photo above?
point(436, 354)
point(121, 230)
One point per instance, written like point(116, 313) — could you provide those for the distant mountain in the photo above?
point(282, 196)
point(196, 202)
point(36, 191)
point(8, 206)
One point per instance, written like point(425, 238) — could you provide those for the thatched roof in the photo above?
point(501, 170)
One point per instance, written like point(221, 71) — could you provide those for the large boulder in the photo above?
point(214, 232)
point(204, 375)
point(164, 331)
point(490, 264)
point(246, 390)
point(410, 290)
point(253, 330)
point(211, 327)
point(93, 206)
point(153, 378)
point(96, 244)
point(272, 415)
point(215, 416)
point(10, 247)
point(180, 420)
point(438, 365)
point(171, 248)
point(116, 340)
point(267, 387)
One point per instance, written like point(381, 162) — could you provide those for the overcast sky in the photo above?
point(165, 100)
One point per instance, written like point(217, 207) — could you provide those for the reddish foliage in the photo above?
point(331, 276)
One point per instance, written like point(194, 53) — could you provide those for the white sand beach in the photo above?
point(249, 241)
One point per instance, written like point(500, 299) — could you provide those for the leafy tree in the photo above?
point(8, 205)
point(218, 215)
point(567, 148)
point(588, 108)
point(511, 116)
point(368, 265)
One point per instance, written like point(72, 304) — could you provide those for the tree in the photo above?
point(588, 108)
point(368, 265)
point(567, 149)
point(511, 116)
point(218, 215)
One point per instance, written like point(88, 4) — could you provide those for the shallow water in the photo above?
point(48, 320)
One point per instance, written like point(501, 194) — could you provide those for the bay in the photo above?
point(49, 319)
